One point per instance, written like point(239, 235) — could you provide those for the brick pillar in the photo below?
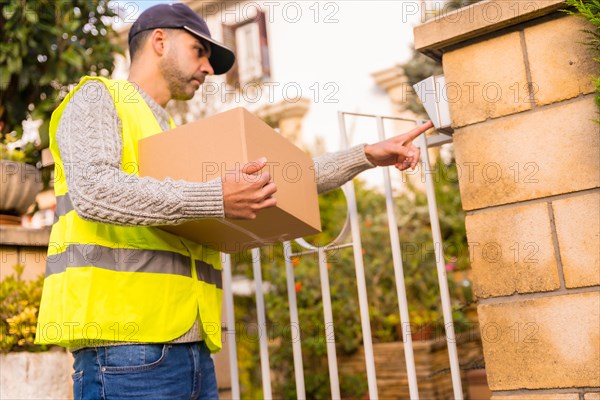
point(24, 246)
point(522, 104)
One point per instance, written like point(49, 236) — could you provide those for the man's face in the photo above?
point(185, 64)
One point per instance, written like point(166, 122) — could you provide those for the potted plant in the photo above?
point(28, 370)
point(21, 177)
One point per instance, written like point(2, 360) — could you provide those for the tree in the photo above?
point(45, 46)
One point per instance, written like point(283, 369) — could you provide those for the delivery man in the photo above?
point(139, 307)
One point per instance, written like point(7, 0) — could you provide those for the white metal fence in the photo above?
point(351, 228)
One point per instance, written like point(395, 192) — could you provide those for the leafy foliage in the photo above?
point(27, 154)
point(45, 46)
point(590, 10)
point(20, 301)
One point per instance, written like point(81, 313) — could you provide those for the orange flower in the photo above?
point(295, 261)
point(298, 286)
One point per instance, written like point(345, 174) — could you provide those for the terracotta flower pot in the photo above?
point(20, 184)
point(421, 332)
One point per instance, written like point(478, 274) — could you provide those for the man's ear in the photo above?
point(158, 41)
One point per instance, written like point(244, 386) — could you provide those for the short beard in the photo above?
point(176, 80)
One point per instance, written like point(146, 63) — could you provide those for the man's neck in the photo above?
point(153, 87)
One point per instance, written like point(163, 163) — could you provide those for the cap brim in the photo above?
point(221, 58)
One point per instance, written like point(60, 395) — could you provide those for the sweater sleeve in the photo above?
point(332, 170)
point(90, 145)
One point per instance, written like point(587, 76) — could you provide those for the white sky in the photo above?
point(336, 57)
point(368, 37)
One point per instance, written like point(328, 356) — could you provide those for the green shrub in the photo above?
point(28, 154)
point(18, 316)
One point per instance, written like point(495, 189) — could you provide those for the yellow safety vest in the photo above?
point(123, 283)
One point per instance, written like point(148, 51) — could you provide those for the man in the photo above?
point(139, 307)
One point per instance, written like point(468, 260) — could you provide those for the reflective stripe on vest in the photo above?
point(131, 260)
point(63, 206)
point(112, 277)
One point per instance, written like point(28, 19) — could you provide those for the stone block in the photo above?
point(19, 236)
point(592, 396)
point(32, 258)
point(568, 69)
point(45, 375)
point(545, 396)
point(577, 221)
point(450, 27)
point(542, 343)
point(549, 151)
point(9, 257)
point(512, 251)
point(486, 80)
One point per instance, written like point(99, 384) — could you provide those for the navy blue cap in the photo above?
point(180, 16)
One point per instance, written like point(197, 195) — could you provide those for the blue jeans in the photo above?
point(145, 371)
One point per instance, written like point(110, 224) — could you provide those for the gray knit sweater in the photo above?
point(90, 145)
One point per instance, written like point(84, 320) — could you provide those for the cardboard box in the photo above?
point(212, 147)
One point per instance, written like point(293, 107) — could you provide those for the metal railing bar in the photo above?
point(230, 321)
point(334, 380)
point(356, 114)
point(294, 322)
point(326, 248)
point(432, 141)
point(262, 325)
point(399, 275)
point(360, 275)
point(441, 272)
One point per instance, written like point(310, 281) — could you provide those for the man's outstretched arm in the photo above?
point(334, 169)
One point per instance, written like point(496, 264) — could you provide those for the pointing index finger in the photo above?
point(413, 134)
